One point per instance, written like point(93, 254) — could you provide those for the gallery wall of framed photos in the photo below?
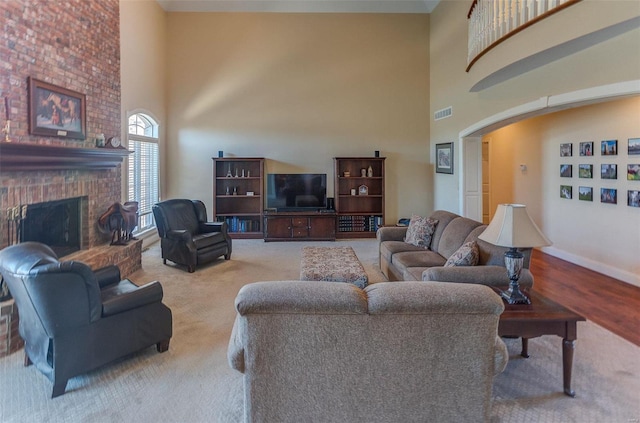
point(602, 167)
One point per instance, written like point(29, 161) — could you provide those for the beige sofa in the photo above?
point(402, 261)
point(393, 352)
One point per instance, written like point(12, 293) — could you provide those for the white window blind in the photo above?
point(143, 168)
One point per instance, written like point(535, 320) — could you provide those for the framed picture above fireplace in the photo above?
point(56, 111)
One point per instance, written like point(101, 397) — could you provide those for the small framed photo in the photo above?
point(566, 171)
point(566, 149)
point(633, 198)
point(609, 148)
point(633, 172)
point(55, 111)
point(609, 195)
point(586, 148)
point(585, 193)
point(609, 171)
point(566, 191)
point(444, 158)
point(585, 171)
point(363, 190)
point(634, 146)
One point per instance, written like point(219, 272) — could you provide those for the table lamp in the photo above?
point(512, 227)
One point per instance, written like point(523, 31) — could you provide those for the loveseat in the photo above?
point(400, 260)
point(313, 351)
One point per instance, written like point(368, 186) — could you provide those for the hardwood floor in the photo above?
point(612, 304)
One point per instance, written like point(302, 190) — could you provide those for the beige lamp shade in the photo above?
point(512, 227)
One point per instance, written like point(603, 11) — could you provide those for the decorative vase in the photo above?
point(370, 172)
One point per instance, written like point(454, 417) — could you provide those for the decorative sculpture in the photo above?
point(120, 220)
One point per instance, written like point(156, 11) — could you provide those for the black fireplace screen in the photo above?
point(55, 223)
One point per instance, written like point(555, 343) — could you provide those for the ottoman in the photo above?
point(332, 264)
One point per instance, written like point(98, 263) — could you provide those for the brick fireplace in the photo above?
point(74, 45)
point(32, 174)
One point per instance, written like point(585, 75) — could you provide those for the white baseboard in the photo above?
point(599, 267)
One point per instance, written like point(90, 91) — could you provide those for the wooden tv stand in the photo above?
point(299, 226)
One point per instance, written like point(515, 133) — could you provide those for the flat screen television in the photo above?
point(296, 191)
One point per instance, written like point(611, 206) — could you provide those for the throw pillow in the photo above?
point(420, 231)
point(466, 255)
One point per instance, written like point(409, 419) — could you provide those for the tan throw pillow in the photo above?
point(420, 231)
point(466, 255)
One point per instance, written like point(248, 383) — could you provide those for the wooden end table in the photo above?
point(543, 317)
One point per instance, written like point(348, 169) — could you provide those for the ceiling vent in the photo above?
point(443, 113)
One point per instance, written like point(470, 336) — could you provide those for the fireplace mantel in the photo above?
point(20, 156)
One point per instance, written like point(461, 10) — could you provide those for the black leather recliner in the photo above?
point(73, 319)
point(186, 237)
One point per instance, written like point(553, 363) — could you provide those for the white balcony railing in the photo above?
point(493, 21)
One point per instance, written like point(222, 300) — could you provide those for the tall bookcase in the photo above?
point(238, 190)
point(359, 196)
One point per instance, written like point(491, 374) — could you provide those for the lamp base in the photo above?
point(513, 261)
point(515, 296)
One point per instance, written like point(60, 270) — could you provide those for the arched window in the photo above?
point(143, 172)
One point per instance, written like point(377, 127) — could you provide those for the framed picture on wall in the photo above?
point(585, 171)
point(444, 158)
point(609, 148)
point(633, 198)
point(634, 146)
point(585, 193)
point(609, 171)
point(566, 149)
point(566, 171)
point(56, 111)
point(609, 195)
point(566, 191)
point(586, 148)
point(633, 172)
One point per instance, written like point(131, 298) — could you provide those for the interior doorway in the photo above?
point(486, 182)
point(472, 204)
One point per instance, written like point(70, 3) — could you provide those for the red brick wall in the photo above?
point(74, 44)
point(10, 340)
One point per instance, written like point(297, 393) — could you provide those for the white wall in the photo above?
point(605, 59)
point(143, 68)
point(612, 60)
point(603, 237)
point(143, 57)
point(300, 89)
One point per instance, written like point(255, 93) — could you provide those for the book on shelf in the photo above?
point(241, 224)
point(359, 223)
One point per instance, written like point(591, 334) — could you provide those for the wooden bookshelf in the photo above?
point(238, 195)
point(361, 212)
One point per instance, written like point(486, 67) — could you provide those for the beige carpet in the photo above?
point(193, 383)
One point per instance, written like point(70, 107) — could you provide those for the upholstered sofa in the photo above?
point(400, 260)
point(314, 351)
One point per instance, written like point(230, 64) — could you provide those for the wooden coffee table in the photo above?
point(543, 317)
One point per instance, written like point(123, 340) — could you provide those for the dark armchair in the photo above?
point(186, 237)
point(73, 319)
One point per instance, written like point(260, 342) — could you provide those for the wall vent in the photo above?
point(443, 113)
